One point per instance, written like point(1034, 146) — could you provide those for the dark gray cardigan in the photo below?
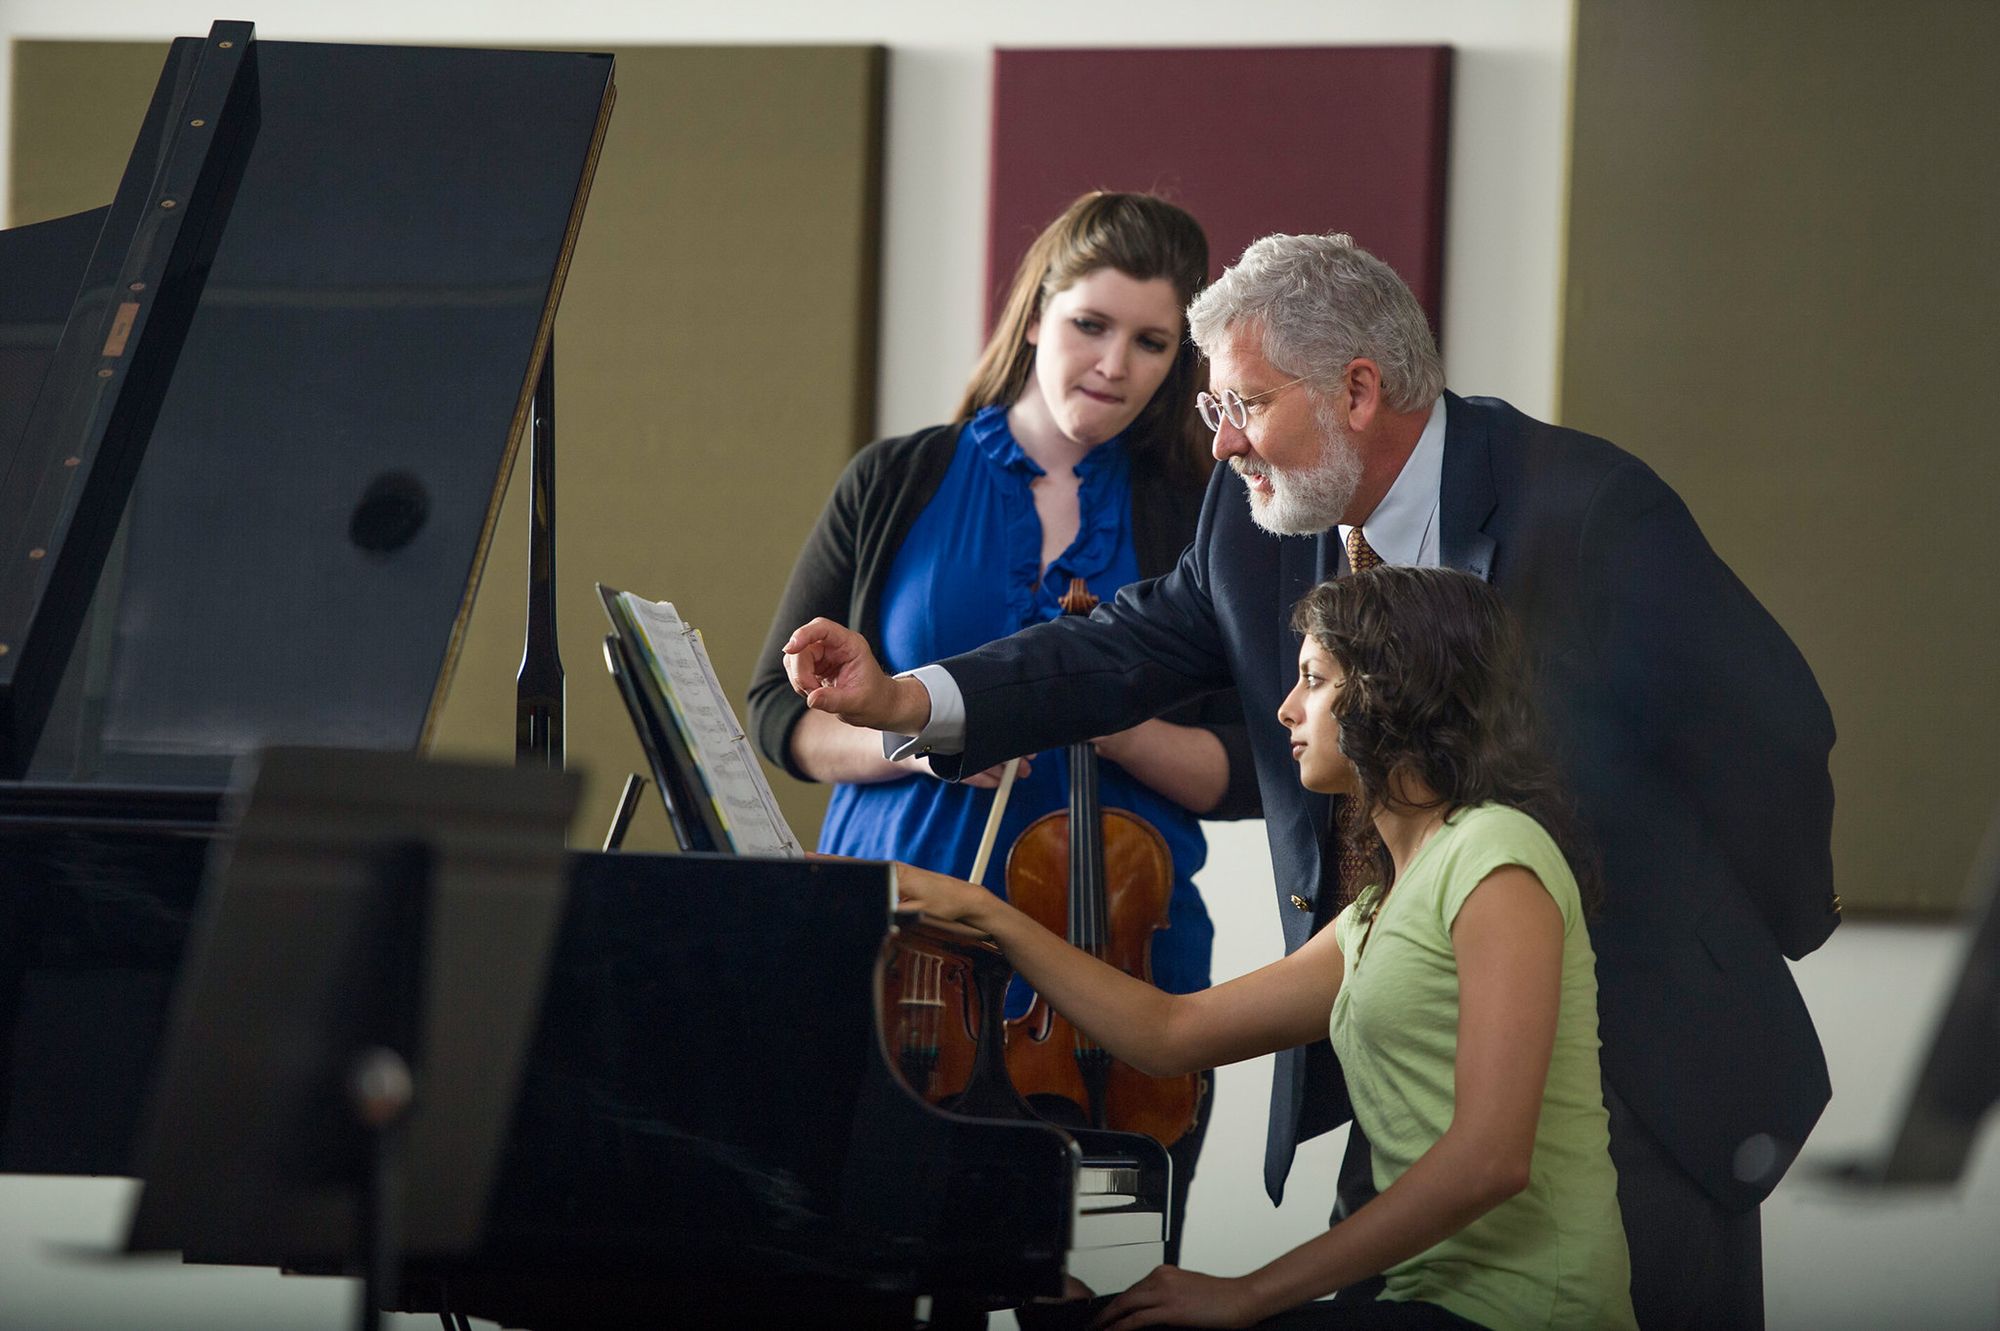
point(840, 570)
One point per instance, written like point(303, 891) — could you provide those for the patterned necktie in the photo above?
point(1357, 851)
point(1361, 556)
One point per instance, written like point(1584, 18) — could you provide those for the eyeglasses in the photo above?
point(1230, 405)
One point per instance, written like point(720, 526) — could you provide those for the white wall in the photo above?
point(1832, 1261)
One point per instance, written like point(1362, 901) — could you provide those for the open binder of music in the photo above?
point(714, 790)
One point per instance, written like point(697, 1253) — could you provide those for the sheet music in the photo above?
point(742, 797)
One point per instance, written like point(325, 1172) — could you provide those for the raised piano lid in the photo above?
point(321, 455)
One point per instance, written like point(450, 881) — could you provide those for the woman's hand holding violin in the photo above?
point(1185, 763)
point(914, 765)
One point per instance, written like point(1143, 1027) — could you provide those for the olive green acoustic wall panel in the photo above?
point(1781, 293)
point(714, 354)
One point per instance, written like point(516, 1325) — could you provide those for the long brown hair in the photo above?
point(1143, 237)
point(1437, 685)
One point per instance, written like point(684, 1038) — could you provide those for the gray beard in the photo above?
point(1307, 500)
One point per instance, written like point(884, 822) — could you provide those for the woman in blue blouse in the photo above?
point(1075, 452)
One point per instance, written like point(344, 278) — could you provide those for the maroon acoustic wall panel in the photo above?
point(1251, 141)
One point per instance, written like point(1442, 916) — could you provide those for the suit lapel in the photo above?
point(1466, 496)
point(1299, 568)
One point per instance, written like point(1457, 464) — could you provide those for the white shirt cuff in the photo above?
point(945, 731)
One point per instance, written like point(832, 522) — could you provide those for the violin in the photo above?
point(1103, 879)
point(943, 995)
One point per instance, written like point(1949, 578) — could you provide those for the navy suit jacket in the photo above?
point(1692, 733)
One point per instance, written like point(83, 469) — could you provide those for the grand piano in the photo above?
point(256, 418)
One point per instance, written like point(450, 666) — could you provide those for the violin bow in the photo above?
point(993, 818)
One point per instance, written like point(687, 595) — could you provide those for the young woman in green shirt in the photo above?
point(1458, 989)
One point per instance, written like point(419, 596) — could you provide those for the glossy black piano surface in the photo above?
point(711, 1035)
point(712, 1093)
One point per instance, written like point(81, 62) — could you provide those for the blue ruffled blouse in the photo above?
point(969, 572)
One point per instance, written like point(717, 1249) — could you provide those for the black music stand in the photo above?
point(1960, 1079)
point(375, 941)
point(682, 787)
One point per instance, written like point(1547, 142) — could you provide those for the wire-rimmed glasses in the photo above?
point(1230, 405)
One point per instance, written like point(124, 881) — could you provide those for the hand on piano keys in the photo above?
point(943, 897)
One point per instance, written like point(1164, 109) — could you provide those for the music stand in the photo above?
point(375, 909)
point(1960, 1079)
point(678, 776)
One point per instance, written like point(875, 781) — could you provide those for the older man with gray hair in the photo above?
point(1692, 733)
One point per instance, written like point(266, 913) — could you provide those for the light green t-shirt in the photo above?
point(1553, 1255)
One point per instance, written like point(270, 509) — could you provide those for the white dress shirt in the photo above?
point(1403, 529)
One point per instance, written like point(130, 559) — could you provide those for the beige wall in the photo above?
point(1780, 293)
point(714, 372)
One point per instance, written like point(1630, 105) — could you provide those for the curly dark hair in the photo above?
point(1437, 685)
